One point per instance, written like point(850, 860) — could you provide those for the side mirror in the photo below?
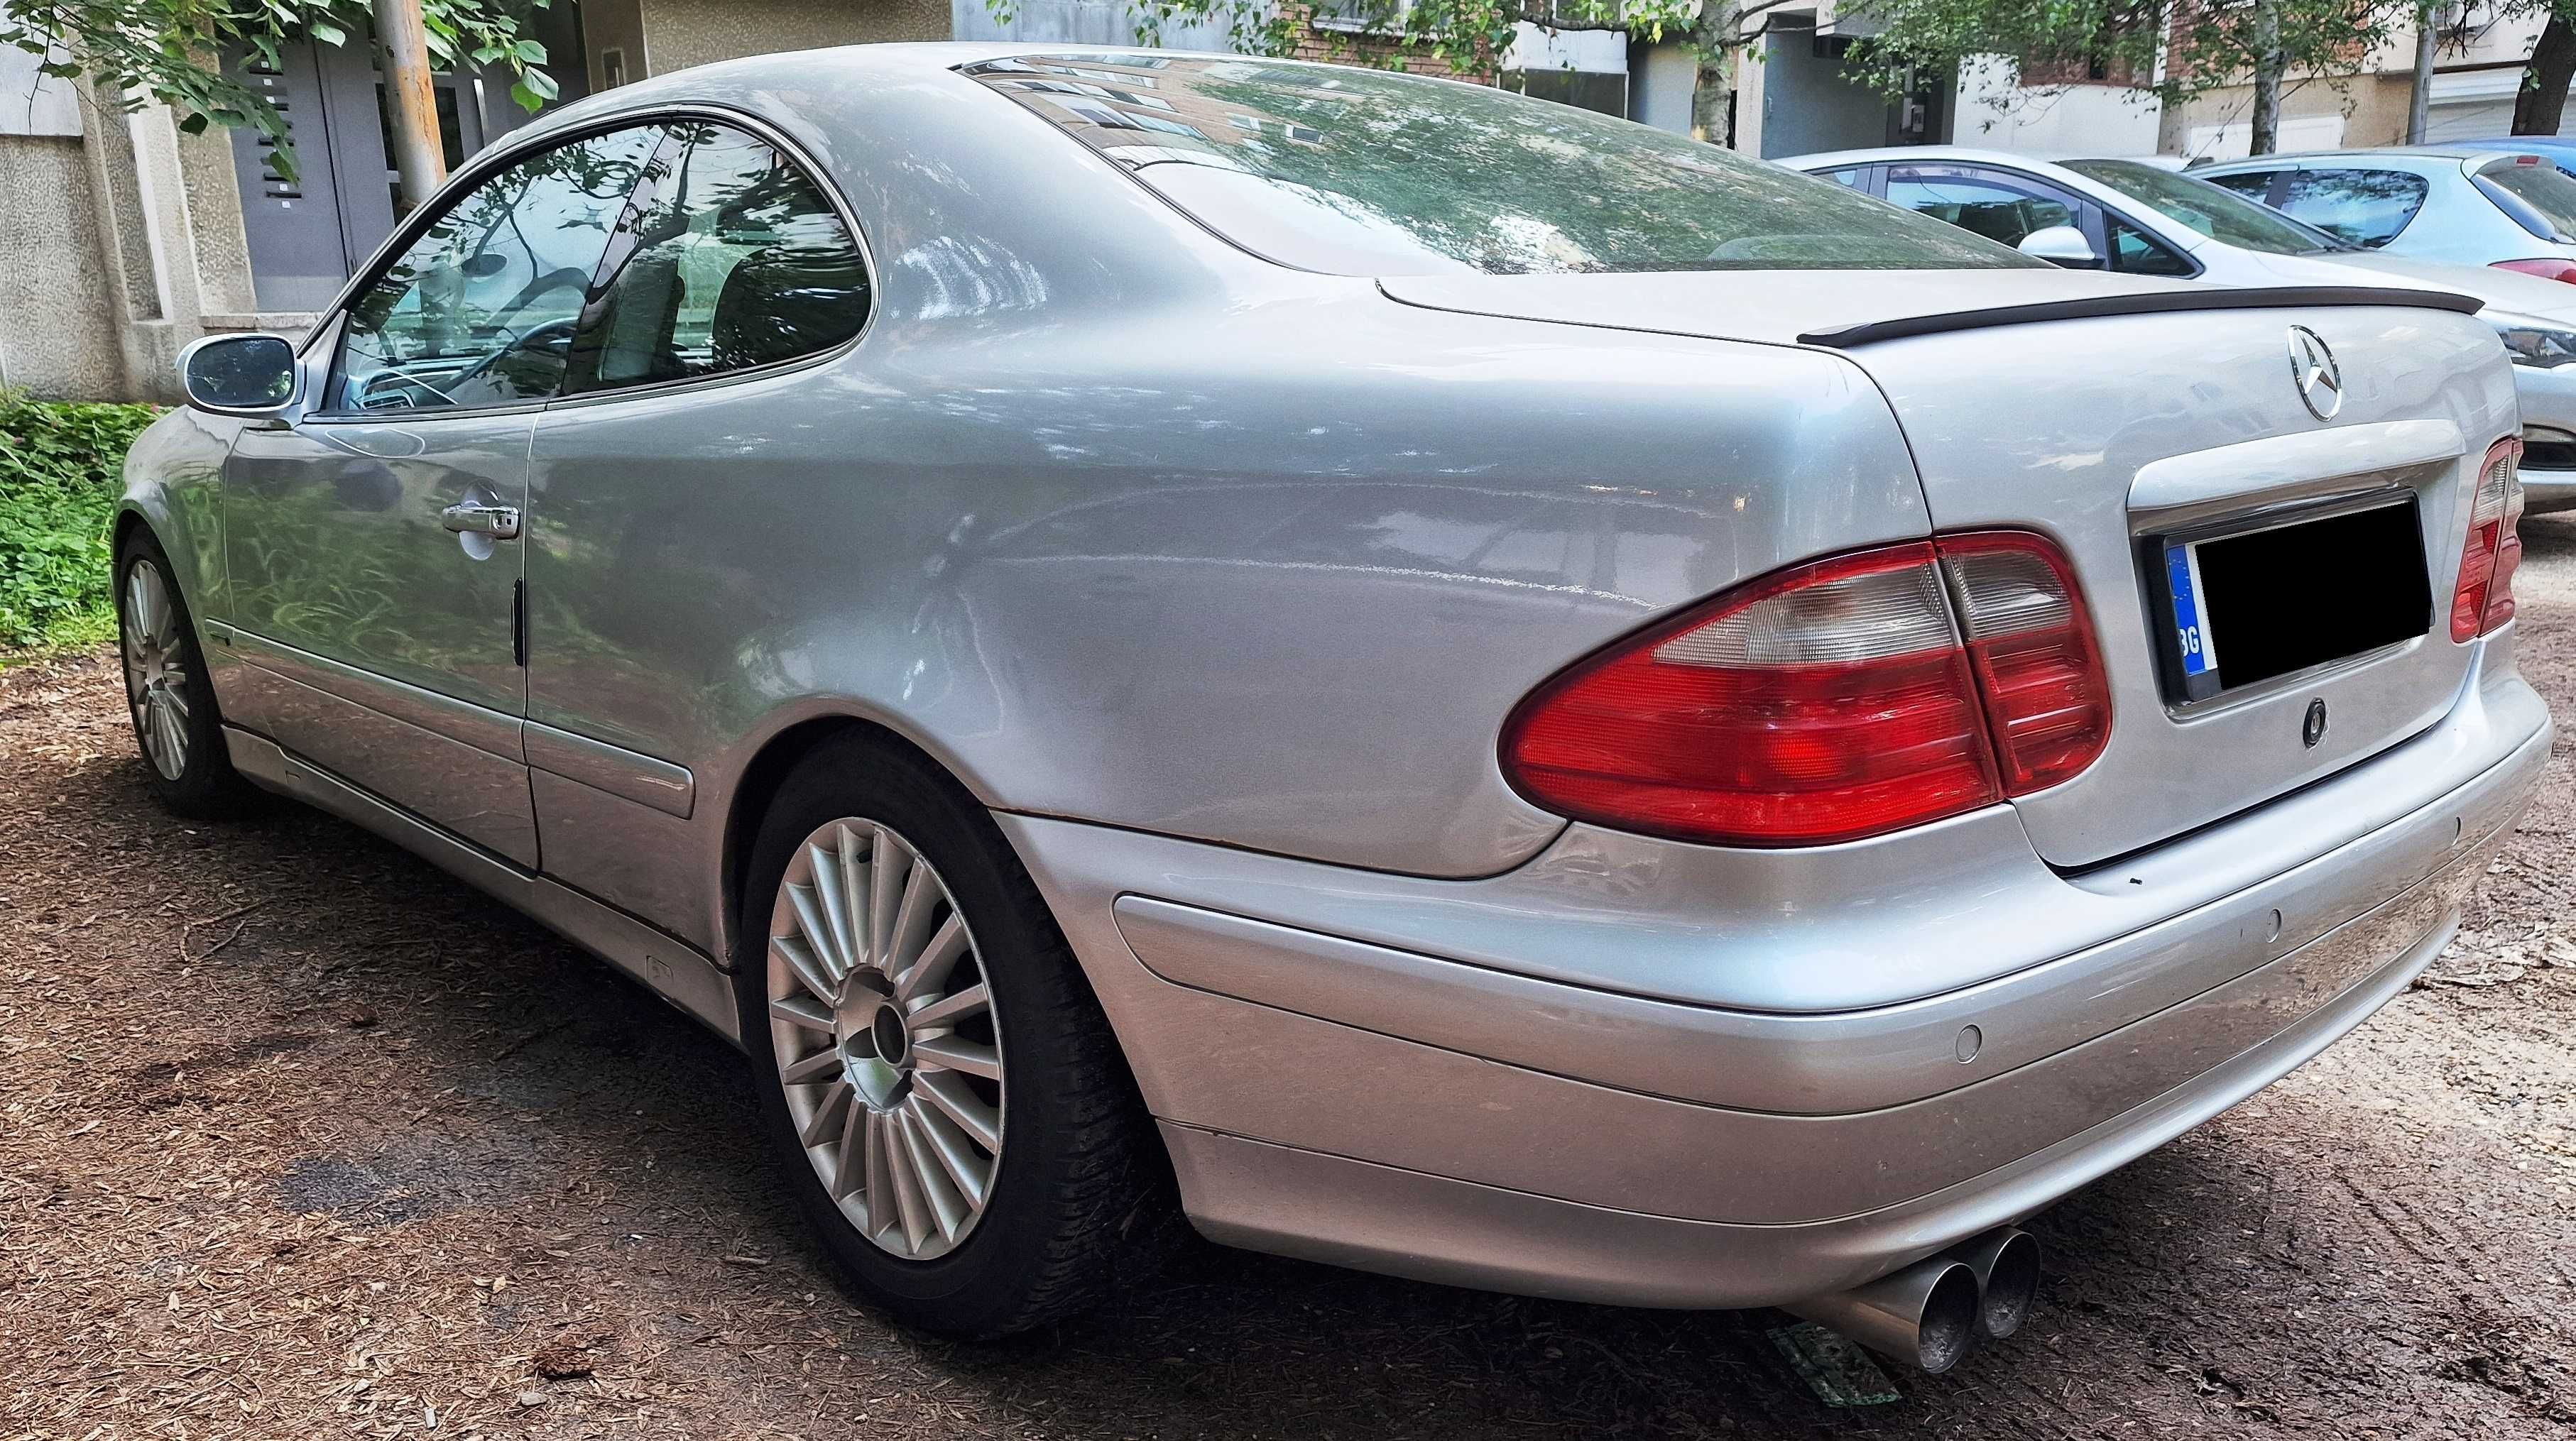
point(2061, 245)
point(249, 375)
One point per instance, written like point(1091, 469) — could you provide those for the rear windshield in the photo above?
point(2205, 209)
point(1364, 172)
point(2539, 196)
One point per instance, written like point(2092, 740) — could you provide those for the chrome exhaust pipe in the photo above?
point(2006, 1263)
point(1924, 1315)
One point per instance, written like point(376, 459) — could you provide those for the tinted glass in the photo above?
point(2134, 252)
point(2544, 194)
point(2254, 185)
point(1998, 211)
point(480, 309)
point(2205, 209)
point(1366, 172)
point(2359, 207)
point(734, 259)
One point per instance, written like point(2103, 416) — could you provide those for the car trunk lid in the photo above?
point(2111, 422)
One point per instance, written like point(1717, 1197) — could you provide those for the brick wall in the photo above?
point(1335, 45)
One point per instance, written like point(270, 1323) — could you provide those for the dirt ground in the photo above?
point(299, 1137)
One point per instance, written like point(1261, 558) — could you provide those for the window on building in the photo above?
point(736, 260)
point(2358, 207)
point(480, 308)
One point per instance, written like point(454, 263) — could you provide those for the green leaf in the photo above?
point(326, 32)
point(531, 51)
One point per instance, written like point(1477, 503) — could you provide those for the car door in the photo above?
point(687, 500)
point(374, 544)
point(1992, 203)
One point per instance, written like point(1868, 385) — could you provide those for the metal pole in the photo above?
point(2419, 104)
point(411, 100)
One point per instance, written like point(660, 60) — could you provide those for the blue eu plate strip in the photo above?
point(2191, 631)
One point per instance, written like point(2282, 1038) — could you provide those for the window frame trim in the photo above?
point(519, 145)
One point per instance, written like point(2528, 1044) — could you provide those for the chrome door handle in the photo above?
point(500, 522)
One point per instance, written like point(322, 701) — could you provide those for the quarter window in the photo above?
point(2134, 252)
point(732, 259)
point(480, 309)
point(2363, 207)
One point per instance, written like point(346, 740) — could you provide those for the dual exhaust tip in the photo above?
point(1932, 1313)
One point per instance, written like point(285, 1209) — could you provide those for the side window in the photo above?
point(2365, 207)
point(2252, 184)
point(2133, 252)
point(1855, 176)
point(1991, 208)
point(481, 308)
point(737, 260)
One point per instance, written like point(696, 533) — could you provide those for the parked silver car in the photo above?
point(1463, 688)
point(2137, 218)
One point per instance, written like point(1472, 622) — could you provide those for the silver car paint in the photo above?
point(1117, 522)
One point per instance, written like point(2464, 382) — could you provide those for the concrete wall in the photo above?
point(1808, 105)
point(681, 33)
point(1992, 110)
point(58, 331)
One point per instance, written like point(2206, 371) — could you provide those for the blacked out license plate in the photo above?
point(2245, 606)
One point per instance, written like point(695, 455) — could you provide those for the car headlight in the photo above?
point(2534, 343)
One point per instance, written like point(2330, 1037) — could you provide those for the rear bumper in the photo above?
point(1435, 1110)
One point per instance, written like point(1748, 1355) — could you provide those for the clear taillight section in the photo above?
point(2483, 599)
point(1831, 701)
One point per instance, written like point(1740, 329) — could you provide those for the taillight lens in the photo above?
point(2483, 599)
point(2048, 703)
point(1830, 701)
point(2548, 269)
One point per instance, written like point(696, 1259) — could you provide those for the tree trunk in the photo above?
point(2543, 99)
point(2419, 96)
point(1713, 88)
point(2268, 65)
point(411, 109)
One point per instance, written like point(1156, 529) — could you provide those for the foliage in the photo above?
point(141, 51)
point(60, 472)
point(2214, 42)
point(1467, 35)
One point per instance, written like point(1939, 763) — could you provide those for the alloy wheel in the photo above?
point(883, 1027)
point(158, 685)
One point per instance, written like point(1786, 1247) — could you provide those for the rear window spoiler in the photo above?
point(2154, 302)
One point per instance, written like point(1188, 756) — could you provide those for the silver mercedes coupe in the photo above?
point(1426, 679)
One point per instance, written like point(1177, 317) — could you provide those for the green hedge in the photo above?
point(61, 468)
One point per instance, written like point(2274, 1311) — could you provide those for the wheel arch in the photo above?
point(756, 788)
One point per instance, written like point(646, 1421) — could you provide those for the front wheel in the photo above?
point(937, 1080)
point(167, 694)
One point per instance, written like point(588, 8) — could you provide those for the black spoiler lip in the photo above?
point(2158, 302)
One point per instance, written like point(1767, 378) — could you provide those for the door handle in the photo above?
point(500, 522)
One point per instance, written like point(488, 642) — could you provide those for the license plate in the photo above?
point(2292, 595)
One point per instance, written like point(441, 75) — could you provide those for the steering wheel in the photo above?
point(529, 339)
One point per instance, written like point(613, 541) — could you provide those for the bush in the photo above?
point(61, 469)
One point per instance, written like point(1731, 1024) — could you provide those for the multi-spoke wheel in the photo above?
point(175, 722)
point(882, 1026)
point(940, 1086)
point(157, 681)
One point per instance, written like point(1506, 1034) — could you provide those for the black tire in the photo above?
point(1081, 1196)
point(206, 787)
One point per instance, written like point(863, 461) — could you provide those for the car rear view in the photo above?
point(1908, 882)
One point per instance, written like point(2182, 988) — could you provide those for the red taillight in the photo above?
point(2483, 599)
point(1830, 701)
point(2550, 269)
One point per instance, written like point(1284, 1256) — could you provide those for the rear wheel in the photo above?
point(176, 725)
point(940, 1086)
